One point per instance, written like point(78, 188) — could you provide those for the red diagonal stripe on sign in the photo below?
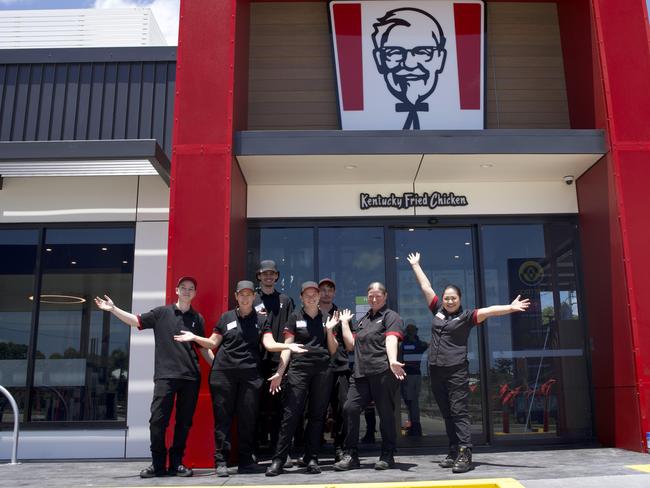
point(347, 22)
point(467, 20)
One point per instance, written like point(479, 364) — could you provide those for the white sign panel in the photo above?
point(409, 65)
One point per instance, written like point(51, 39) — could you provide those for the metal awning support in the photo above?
point(14, 406)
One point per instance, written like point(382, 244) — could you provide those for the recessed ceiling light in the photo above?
point(467, 243)
point(486, 165)
point(125, 262)
point(396, 257)
point(48, 249)
point(73, 262)
point(456, 257)
point(411, 229)
point(350, 166)
point(104, 249)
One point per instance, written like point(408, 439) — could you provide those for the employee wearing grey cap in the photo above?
point(278, 307)
point(235, 379)
point(308, 377)
point(177, 376)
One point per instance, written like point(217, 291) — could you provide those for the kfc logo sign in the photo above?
point(409, 65)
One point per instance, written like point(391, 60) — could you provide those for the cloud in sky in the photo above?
point(166, 13)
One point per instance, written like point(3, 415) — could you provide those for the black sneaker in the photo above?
point(275, 468)
point(302, 462)
point(288, 464)
point(463, 462)
point(448, 462)
point(181, 470)
point(386, 461)
point(152, 472)
point(349, 461)
point(338, 454)
point(222, 470)
point(313, 467)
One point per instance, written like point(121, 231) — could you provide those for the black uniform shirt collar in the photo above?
point(178, 311)
point(379, 313)
point(274, 292)
point(305, 314)
point(454, 314)
point(244, 316)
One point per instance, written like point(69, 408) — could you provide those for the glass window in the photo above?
point(293, 252)
point(81, 352)
point(353, 257)
point(538, 381)
point(18, 251)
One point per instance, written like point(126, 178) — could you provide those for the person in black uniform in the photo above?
point(235, 379)
point(374, 377)
point(340, 366)
point(308, 376)
point(412, 352)
point(278, 307)
point(448, 365)
point(177, 377)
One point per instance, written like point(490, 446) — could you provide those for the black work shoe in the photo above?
point(386, 461)
point(349, 461)
point(251, 468)
point(180, 470)
point(288, 464)
point(313, 467)
point(302, 462)
point(222, 470)
point(449, 461)
point(275, 468)
point(152, 472)
point(463, 462)
point(338, 454)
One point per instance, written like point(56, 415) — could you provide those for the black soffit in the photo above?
point(53, 153)
point(489, 141)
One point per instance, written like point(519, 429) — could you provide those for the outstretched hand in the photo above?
point(519, 305)
point(276, 384)
point(333, 320)
point(398, 370)
point(413, 258)
point(346, 315)
point(184, 336)
point(105, 304)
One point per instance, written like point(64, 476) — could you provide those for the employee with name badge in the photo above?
point(448, 365)
point(235, 378)
point(308, 378)
point(375, 376)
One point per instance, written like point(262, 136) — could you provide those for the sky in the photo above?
point(165, 11)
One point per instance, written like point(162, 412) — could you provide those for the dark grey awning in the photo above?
point(84, 158)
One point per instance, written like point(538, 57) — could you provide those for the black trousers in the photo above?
point(340, 387)
point(166, 392)
point(270, 415)
point(235, 392)
point(302, 384)
point(382, 388)
point(450, 388)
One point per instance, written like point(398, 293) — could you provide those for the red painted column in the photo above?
point(202, 221)
point(614, 207)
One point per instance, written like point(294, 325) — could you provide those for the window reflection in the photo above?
point(18, 250)
point(82, 353)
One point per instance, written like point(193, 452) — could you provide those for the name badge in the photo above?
point(259, 308)
point(231, 325)
point(440, 315)
point(301, 324)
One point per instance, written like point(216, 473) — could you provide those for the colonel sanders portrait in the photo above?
point(409, 51)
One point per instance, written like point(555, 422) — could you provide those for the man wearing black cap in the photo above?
point(278, 308)
point(339, 365)
point(177, 376)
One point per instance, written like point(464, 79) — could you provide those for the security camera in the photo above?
point(568, 179)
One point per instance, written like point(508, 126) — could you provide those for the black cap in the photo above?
point(328, 281)
point(186, 278)
point(245, 285)
point(267, 265)
point(307, 285)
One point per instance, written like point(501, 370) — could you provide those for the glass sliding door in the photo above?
point(447, 258)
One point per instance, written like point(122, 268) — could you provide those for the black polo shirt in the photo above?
point(240, 340)
point(370, 341)
point(449, 335)
point(174, 360)
point(311, 333)
point(278, 308)
point(340, 361)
